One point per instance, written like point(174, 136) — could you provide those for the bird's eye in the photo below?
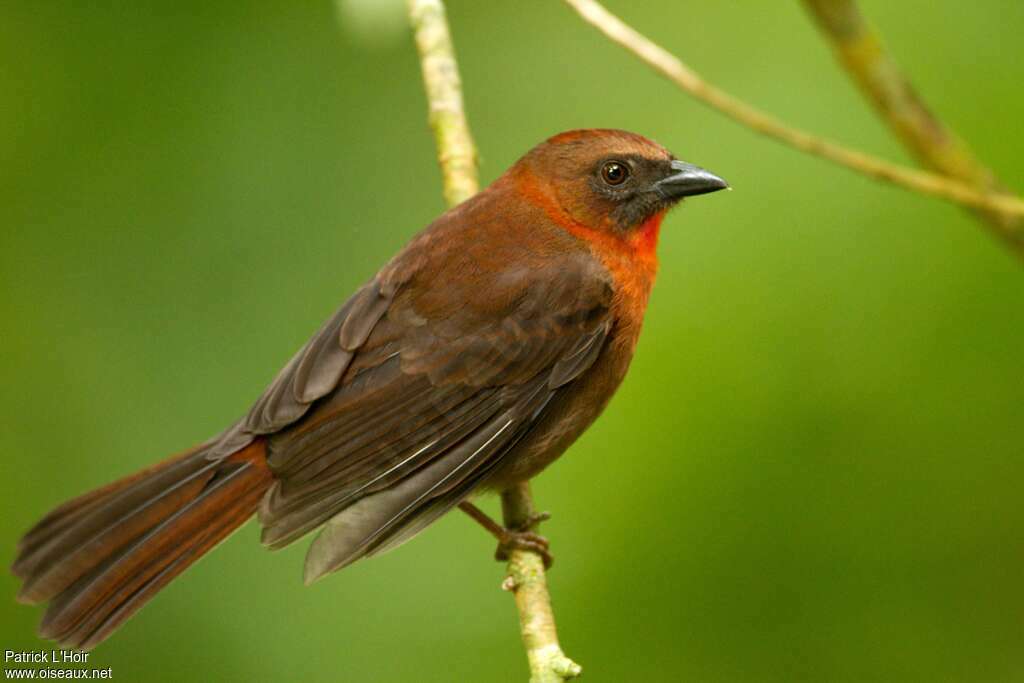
point(614, 172)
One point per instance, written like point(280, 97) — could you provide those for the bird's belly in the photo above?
point(574, 408)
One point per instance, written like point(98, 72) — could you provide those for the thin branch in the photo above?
point(456, 152)
point(679, 73)
point(457, 156)
point(526, 580)
point(860, 50)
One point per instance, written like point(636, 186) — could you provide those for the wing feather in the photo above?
point(403, 403)
point(430, 403)
point(311, 374)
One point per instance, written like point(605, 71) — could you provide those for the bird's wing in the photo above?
point(311, 374)
point(406, 400)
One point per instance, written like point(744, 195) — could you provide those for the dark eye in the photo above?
point(614, 172)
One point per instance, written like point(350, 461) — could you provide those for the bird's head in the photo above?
point(611, 181)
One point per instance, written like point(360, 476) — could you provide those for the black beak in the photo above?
point(688, 180)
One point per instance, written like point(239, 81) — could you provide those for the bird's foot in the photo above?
point(524, 540)
point(521, 538)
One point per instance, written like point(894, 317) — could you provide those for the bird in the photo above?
point(467, 364)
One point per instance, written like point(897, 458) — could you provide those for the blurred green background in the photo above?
point(812, 473)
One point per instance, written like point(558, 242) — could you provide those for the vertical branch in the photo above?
point(456, 154)
point(861, 51)
point(526, 580)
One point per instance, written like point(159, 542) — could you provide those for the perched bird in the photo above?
point(471, 361)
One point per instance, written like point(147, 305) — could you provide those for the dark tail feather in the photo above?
point(100, 557)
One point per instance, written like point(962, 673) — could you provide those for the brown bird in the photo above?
point(471, 361)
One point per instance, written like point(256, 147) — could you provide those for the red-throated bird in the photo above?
point(471, 361)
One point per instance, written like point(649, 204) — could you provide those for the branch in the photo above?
point(456, 154)
point(548, 664)
point(859, 48)
point(679, 73)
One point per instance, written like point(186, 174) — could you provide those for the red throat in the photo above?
point(632, 257)
point(645, 238)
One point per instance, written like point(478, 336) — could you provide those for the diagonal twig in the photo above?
point(860, 50)
point(683, 76)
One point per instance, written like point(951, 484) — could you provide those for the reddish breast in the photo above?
point(630, 257)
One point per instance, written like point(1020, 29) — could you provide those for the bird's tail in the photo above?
point(99, 557)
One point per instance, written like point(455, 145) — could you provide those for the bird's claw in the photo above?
point(522, 537)
point(524, 540)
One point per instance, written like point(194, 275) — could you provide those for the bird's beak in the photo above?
point(688, 180)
